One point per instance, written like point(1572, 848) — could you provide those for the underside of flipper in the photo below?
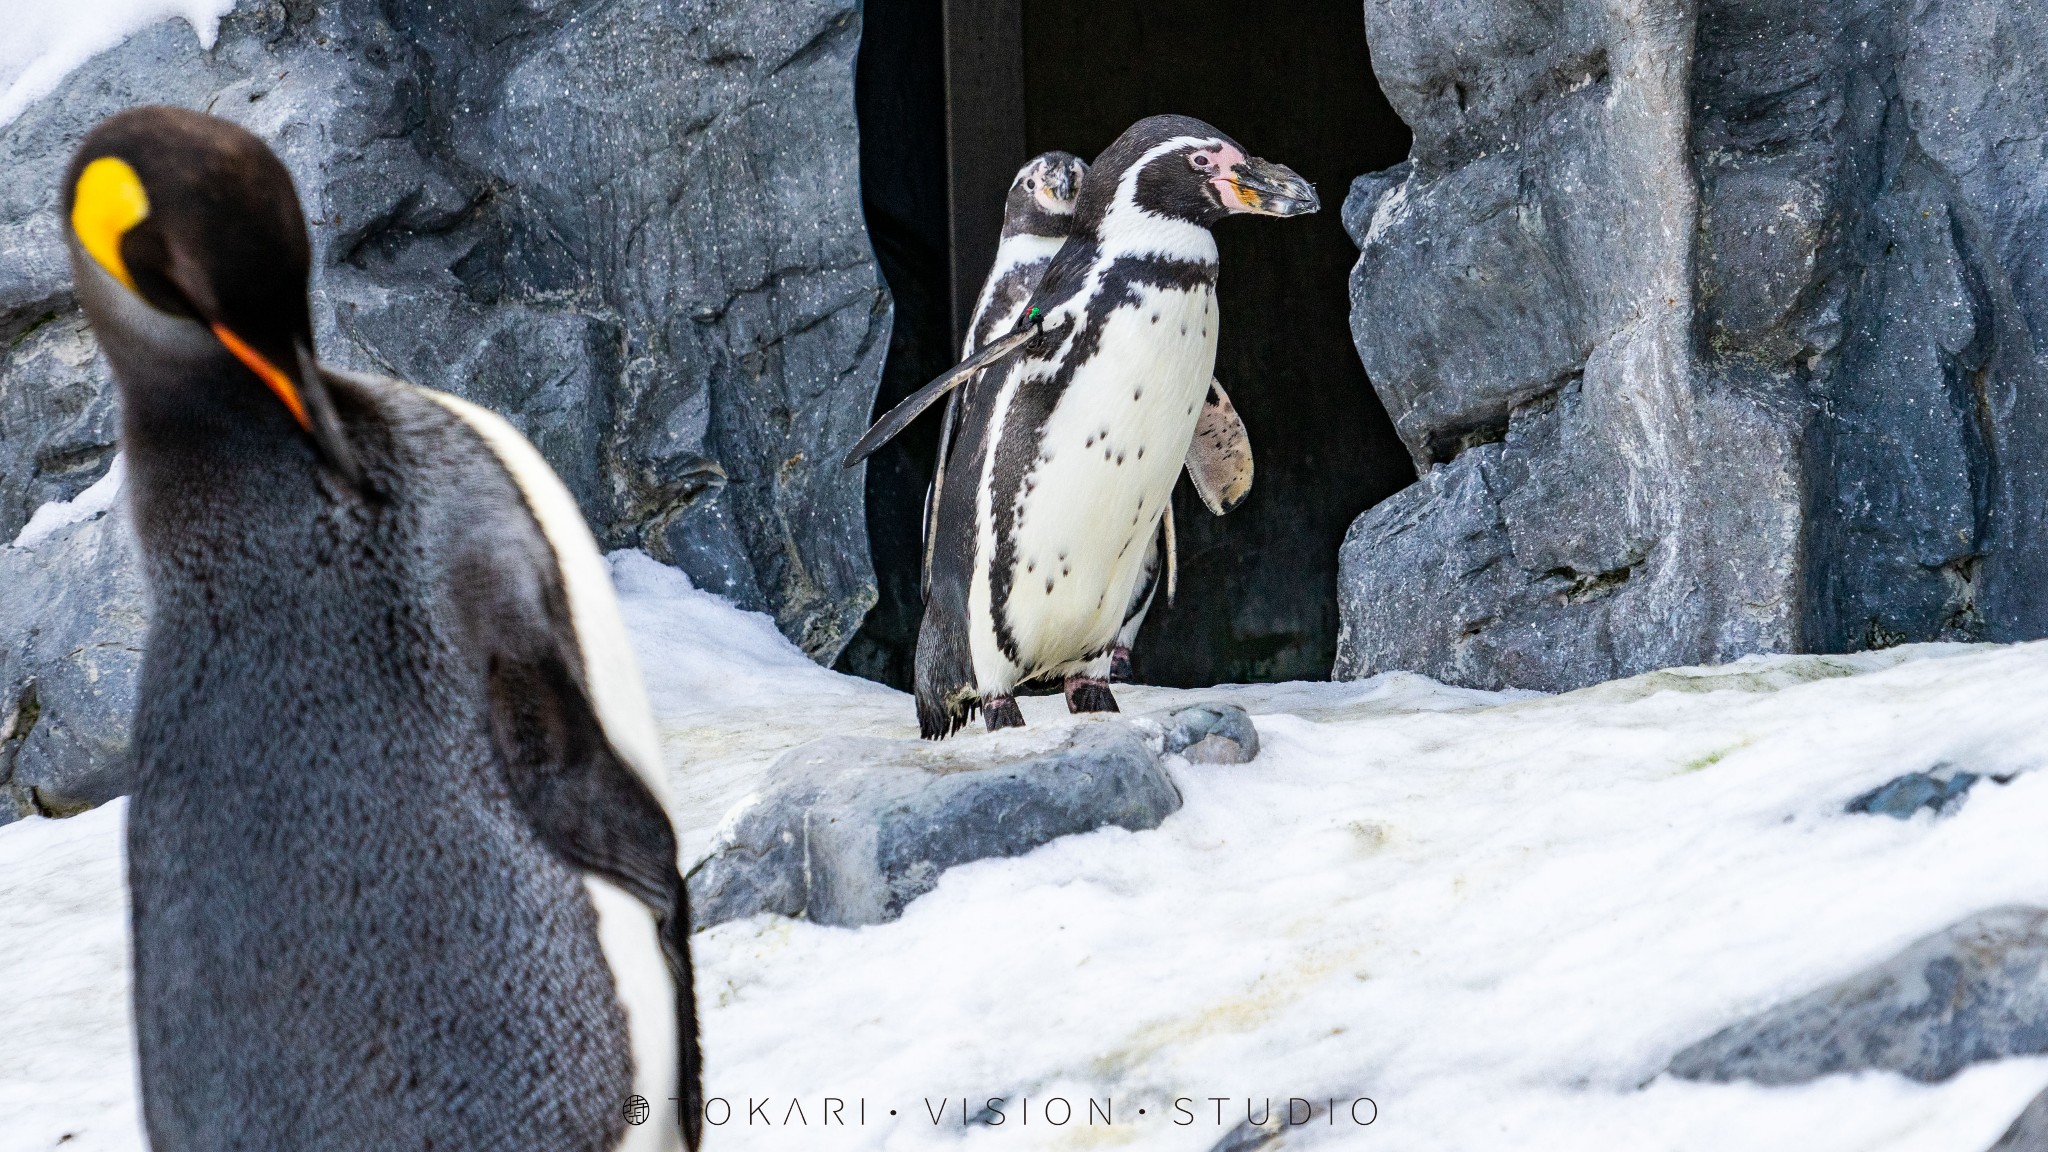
point(1220, 456)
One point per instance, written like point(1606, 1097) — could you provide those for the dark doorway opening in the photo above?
point(900, 98)
point(1290, 82)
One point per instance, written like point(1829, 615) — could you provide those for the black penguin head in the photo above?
point(1180, 168)
point(190, 256)
point(1041, 199)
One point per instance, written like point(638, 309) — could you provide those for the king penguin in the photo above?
point(400, 871)
point(1069, 445)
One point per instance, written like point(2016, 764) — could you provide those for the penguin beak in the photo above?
point(1266, 189)
point(303, 393)
point(1063, 181)
point(283, 385)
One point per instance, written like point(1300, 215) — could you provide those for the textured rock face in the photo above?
point(69, 656)
point(853, 828)
point(1977, 990)
point(631, 225)
point(1719, 326)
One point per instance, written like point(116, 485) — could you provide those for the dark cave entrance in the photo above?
point(1004, 80)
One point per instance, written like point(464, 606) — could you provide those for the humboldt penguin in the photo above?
point(400, 872)
point(1036, 213)
point(1068, 448)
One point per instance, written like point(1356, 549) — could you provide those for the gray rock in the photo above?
point(1209, 734)
point(1977, 990)
point(1902, 797)
point(75, 616)
point(633, 226)
point(56, 415)
point(2029, 1131)
point(1725, 319)
point(850, 829)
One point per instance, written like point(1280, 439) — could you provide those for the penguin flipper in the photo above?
point(592, 809)
point(899, 417)
point(1171, 546)
point(1219, 460)
point(569, 724)
point(931, 499)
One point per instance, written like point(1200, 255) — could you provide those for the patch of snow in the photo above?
point(46, 39)
point(730, 693)
point(1497, 915)
point(63, 513)
point(67, 1059)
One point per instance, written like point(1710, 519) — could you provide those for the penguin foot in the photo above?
point(1001, 712)
point(1119, 665)
point(1086, 694)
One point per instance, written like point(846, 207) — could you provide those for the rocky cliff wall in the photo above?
point(633, 226)
point(1718, 326)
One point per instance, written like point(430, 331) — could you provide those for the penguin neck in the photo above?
point(1025, 248)
point(1131, 231)
point(211, 452)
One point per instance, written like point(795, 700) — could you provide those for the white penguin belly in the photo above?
point(1108, 459)
point(631, 943)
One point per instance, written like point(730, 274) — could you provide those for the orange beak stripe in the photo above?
point(267, 372)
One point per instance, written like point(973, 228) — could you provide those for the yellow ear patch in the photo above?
point(109, 201)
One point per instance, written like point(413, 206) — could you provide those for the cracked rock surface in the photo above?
point(69, 657)
point(631, 226)
point(1717, 327)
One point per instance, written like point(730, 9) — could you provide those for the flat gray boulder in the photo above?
point(1976, 990)
point(851, 829)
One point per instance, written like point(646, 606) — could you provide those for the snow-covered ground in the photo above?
point(46, 39)
point(1497, 916)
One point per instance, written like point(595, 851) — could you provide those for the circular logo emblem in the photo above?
point(636, 1110)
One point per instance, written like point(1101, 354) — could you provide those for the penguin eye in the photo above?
point(1031, 184)
point(1199, 161)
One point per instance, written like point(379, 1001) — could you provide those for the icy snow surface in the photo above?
point(84, 506)
point(46, 39)
point(1496, 915)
